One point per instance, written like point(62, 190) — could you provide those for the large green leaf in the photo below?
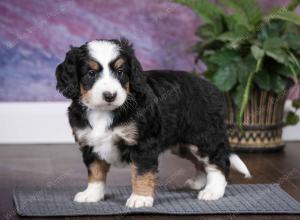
point(237, 95)
point(235, 37)
point(263, 80)
point(205, 48)
point(247, 12)
point(277, 54)
point(274, 48)
point(285, 71)
point(293, 41)
point(244, 69)
point(293, 5)
point(224, 57)
point(210, 12)
point(278, 84)
point(231, 22)
point(283, 14)
point(225, 78)
point(207, 44)
point(271, 29)
point(206, 31)
point(257, 52)
point(292, 67)
point(274, 42)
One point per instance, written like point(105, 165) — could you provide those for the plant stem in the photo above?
point(247, 93)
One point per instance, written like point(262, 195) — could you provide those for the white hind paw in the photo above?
point(210, 194)
point(196, 183)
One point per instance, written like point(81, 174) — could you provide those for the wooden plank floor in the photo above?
point(61, 165)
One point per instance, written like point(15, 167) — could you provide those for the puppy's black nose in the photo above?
point(109, 97)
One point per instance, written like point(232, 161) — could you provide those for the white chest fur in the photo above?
point(103, 138)
point(99, 136)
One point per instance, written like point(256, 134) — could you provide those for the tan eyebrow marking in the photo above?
point(93, 65)
point(119, 62)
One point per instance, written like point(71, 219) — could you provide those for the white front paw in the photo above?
point(87, 196)
point(93, 193)
point(136, 201)
point(210, 194)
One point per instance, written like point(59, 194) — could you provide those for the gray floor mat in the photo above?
point(238, 199)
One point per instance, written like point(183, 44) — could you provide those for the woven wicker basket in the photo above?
point(262, 123)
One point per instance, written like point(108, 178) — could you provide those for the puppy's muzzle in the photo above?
point(109, 97)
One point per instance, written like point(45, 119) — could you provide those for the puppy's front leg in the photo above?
point(143, 186)
point(97, 171)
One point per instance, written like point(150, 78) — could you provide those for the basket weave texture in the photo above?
point(262, 122)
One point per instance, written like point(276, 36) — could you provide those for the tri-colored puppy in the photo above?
point(122, 115)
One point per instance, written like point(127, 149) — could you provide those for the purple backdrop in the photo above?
point(35, 34)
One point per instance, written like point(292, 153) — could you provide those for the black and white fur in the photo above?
point(153, 111)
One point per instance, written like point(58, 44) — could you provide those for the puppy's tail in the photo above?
point(237, 164)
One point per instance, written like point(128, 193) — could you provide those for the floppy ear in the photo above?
point(136, 78)
point(66, 75)
point(138, 84)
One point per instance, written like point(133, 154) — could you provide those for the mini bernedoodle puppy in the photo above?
point(122, 115)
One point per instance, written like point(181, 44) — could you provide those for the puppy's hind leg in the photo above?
point(216, 180)
point(216, 184)
point(199, 180)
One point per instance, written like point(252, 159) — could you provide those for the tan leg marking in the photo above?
point(98, 171)
point(96, 186)
point(143, 185)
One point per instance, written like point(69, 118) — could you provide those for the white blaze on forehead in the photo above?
point(103, 51)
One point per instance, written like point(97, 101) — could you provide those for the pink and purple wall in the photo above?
point(35, 35)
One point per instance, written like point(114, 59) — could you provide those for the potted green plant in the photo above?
point(253, 58)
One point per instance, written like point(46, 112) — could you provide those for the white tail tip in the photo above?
point(237, 164)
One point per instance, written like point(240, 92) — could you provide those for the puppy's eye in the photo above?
point(92, 73)
point(120, 71)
